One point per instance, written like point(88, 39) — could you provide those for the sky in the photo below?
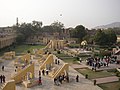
point(90, 13)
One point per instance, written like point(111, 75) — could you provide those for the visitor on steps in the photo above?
point(1, 78)
point(39, 73)
point(3, 68)
point(40, 81)
point(55, 81)
point(77, 78)
point(58, 62)
point(43, 72)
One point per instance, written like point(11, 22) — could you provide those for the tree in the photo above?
point(48, 29)
point(111, 36)
point(57, 26)
point(100, 38)
point(25, 30)
point(105, 37)
point(37, 25)
point(79, 32)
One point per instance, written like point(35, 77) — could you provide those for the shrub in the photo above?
point(105, 53)
point(58, 52)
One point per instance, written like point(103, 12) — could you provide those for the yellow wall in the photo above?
point(40, 51)
point(26, 57)
point(10, 85)
point(9, 55)
point(61, 70)
point(49, 60)
point(21, 75)
point(55, 44)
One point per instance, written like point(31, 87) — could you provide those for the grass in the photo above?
point(93, 74)
point(74, 45)
point(70, 60)
point(21, 48)
point(66, 58)
point(62, 55)
point(25, 48)
point(110, 86)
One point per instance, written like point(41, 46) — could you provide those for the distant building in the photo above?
point(45, 37)
point(7, 36)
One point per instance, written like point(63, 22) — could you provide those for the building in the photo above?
point(7, 36)
point(45, 37)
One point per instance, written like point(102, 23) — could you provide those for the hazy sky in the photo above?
point(89, 13)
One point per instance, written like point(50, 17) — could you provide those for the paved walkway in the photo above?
point(106, 79)
point(79, 66)
point(47, 82)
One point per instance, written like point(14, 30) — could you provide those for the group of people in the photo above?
point(57, 61)
point(98, 62)
point(40, 80)
point(2, 78)
point(59, 80)
point(45, 72)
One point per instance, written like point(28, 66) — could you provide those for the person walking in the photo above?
point(58, 62)
point(77, 78)
point(55, 61)
point(43, 72)
point(39, 73)
point(1, 78)
point(3, 68)
point(47, 72)
point(40, 81)
point(55, 81)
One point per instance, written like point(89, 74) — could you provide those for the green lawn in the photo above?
point(21, 48)
point(70, 60)
point(110, 86)
point(74, 45)
point(62, 55)
point(66, 58)
point(25, 48)
point(93, 74)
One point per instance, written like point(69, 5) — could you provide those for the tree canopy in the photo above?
point(105, 37)
point(79, 32)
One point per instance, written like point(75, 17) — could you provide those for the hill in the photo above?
point(112, 25)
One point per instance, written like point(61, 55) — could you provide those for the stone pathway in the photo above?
point(47, 82)
point(79, 66)
point(106, 79)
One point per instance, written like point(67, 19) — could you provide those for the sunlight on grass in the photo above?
point(93, 74)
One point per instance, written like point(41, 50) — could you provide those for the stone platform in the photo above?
point(48, 83)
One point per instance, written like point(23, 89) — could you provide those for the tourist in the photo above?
point(67, 78)
point(55, 81)
point(95, 82)
point(77, 78)
point(63, 77)
point(43, 72)
point(86, 76)
point(3, 68)
point(55, 61)
point(39, 73)
point(80, 60)
point(40, 81)
point(60, 79)
point(58, 62)
point(47, 72)
point(3, 77)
